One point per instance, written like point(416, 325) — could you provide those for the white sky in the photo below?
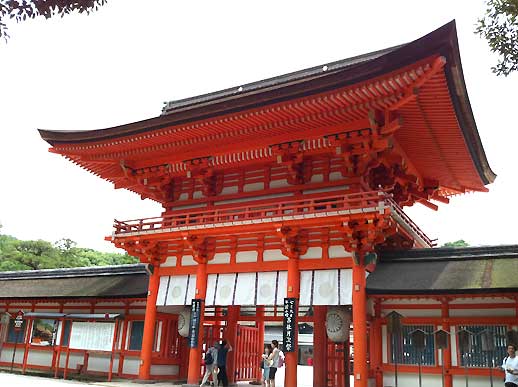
point(120, 64)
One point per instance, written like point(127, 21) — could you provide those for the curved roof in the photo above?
point(464, 163)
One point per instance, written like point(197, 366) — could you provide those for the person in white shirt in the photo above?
point(274, 359)
point(510, 366)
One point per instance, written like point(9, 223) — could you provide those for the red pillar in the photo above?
point(445, 314)
point(231, 337)
point(193, 374)
point(293, 292)
point(260, 341)
point(376, 344)
point(360, 326)
point(148, 337)
point(319, 346)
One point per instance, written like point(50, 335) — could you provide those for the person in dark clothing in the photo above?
point(223, 350)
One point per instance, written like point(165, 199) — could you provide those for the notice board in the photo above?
point(94, 336)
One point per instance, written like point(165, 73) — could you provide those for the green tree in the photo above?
point(21, 10)
point(35, 255)
point(458, 243)
point(499, 27)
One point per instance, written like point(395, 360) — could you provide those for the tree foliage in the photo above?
point(35, 255)
point(458, 243)
point(21, 10)
point(499, 27)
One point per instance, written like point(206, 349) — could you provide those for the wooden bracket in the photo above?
point(294, 241)
point(202, 248)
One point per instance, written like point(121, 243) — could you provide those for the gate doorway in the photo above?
point(338, 364)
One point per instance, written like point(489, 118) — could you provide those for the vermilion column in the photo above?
point(293, 292)
point(319, 346)
point(193, 374)
point(231, 337)
point(360, 326)
point(260, 342)
point(445, 314)
point(148, 336)
point(376, 345)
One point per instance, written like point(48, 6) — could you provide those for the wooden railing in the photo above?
point(257, 213)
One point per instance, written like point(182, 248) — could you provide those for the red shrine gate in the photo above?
point(301, 177)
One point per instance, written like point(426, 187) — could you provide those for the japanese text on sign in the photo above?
point(18, 321)
point(289, 324)
point(194, 327)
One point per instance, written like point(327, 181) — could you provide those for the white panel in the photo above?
point(170, 261)
point(245, 289)
point(246, 256)
point(274, 255)
point(253, 187)
point(439, 351)
point(266, 288)
point(197, 195)
point(164, 369)
point(338, 252)
point(279, 183)
point(305, 287)
point(384, 345)
point(346, 287)
point(191, 290)
point(162, 290)
point(474, 381)
point(335, 176)
point(411, 380)
point(325, 287)
point(188, 260)
point(211, 289)
point(453, 345)
point(225, 289)
point(100, 363)
point(220, 258)
point(131, 366)
point(229, 190)
point(282, 287)
point(313, 252)
point(177, 290)
point(41, 358)
point(317, 178)
point(481, 312)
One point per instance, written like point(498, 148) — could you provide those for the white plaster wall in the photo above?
point(220, 258)
point(476, 381)
point(508, 312)
point(6, 354)
point(279, 183)
point(73, 361)
point(412, 380)
point(101, 363)
point(253, 187)
point(170, 261)
point(313, 252)
point(188, 260)
point(131, 365)
point(246, 256)
point(338, 252)
point(41, 358)
point(274, 255)
point(164, 369)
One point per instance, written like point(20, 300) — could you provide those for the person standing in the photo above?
point(265, 365)
point(223, 350)
point(274, 358)
point(211, 368)
point(510, 366)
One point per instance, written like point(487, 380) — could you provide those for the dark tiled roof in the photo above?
point(485, 269)
point(100, 282)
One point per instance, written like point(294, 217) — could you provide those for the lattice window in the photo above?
point(405, 352)
point(484, 359)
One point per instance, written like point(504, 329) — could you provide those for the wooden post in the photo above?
point(319, 346)
point(148, 336)
point(293, 292)
point(231, 337)
point(260, 327)
point(376, 344)
point(193, 373)
point(445, 314)
point(360, 325)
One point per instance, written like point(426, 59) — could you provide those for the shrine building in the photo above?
point(281, 196)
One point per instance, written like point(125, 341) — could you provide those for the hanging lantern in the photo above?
point(184, 319)
point(338, 322)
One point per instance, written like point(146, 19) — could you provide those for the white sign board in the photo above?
point(94, 336)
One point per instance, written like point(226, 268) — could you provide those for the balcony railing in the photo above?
point(336, 205)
